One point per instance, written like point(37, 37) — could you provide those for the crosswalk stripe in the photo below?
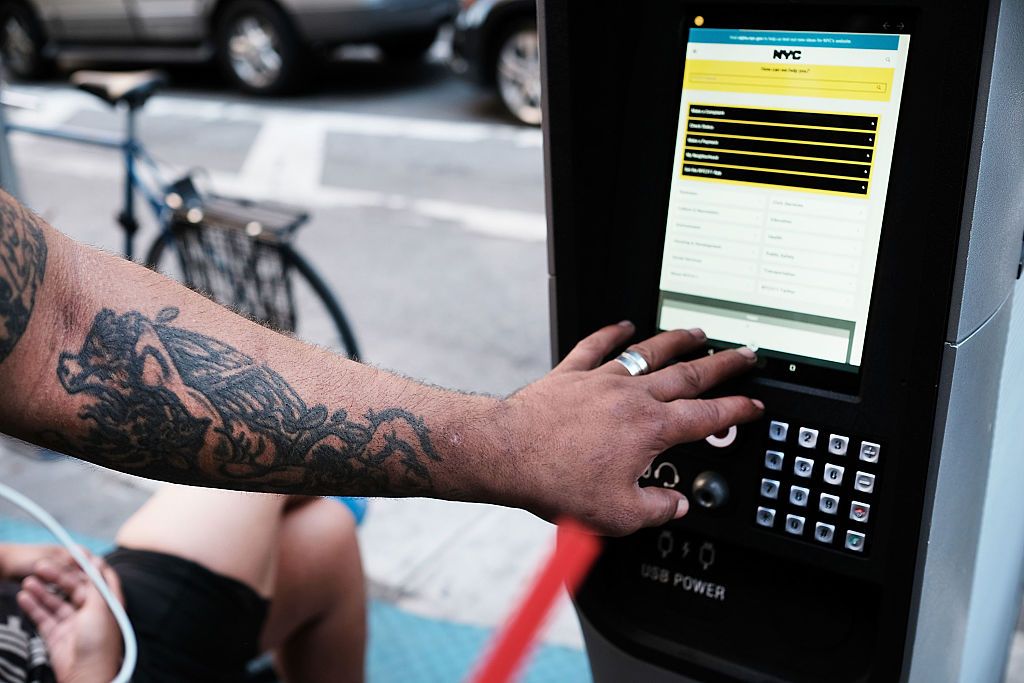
point(55, 104)
point(524, 226)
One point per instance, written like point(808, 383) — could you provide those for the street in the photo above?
point(428, 223)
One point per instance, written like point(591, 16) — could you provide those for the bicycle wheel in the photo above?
point(319, 317)
point(155, 254)
point(312, 305)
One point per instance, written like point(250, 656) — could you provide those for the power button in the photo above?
point(724, 438)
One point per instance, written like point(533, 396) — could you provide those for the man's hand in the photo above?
point(582, 436)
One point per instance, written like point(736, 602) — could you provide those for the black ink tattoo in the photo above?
point(174, 404)
point(22, 267)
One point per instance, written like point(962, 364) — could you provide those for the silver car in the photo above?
point(264, 46)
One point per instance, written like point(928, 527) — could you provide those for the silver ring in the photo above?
point(634, 362)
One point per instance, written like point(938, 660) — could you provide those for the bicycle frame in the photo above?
point(134, 156)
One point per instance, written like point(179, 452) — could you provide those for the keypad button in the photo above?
point(837, 444)
point(777, 431)
point(773, 460)
point(770, 488)
point(765, 517)
point(823, 533)
point(833, 474)
point(828, 504)
point(808, 438)
point(855, 541)
point(798, 495)
point(803, 467)
point(864, 482)
point(869, 452)
point(795, 524)
point(859, 511)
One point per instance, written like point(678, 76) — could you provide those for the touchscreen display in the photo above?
point(781, 169)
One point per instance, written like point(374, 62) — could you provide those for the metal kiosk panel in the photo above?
point(848, 548)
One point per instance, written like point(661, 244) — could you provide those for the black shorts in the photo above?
point(192, 624)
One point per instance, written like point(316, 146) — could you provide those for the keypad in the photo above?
point(818, 485)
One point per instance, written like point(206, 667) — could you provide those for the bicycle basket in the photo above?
point(236, 251)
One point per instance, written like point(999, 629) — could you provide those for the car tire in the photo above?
point(22, 41)
point(517, 71)
point(259, 49)
point(409, 48)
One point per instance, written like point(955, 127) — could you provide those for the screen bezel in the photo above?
point(777, 365)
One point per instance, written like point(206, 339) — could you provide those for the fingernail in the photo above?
point(698, 333)
point(625, 323)
point(757, 403)
point(682, 507)
point(746, 353)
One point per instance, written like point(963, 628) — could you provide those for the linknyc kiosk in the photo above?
point(840, 186)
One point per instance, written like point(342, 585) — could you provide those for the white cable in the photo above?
point(46, 519)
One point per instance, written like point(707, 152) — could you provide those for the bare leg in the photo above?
point(302, 553)
point(317, 621)
point(228, 532)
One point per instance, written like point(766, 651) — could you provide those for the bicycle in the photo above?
point(237, 252)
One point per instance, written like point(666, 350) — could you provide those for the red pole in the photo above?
point(568, 564)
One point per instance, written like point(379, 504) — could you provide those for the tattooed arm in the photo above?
point(107, 361)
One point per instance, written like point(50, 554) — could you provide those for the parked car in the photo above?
point(495, 44)
point(262, 45)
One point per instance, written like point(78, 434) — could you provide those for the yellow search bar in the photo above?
point(811, 80)
point(790, 83)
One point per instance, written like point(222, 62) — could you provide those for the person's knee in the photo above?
point(327, 530)
point(321, 551)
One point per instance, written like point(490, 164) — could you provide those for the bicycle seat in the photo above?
point(130, 87)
